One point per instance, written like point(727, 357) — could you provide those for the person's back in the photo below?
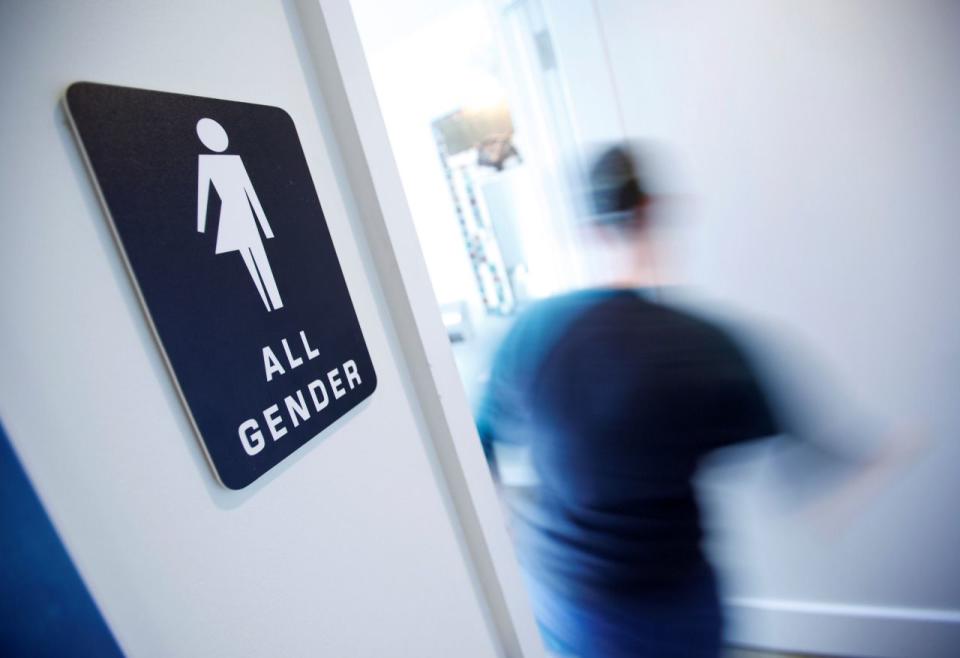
point(618, 398)
point(621, 405)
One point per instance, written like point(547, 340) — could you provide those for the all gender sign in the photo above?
point(219, 223)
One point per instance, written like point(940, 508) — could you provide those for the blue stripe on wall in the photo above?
point(45, 609)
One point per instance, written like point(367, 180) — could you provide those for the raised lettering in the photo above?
point(311, 353)
point(350, 370)
point(271, 364)
point(297, 406)
point(313, 386)
point(335, 384)
point(251, 437)
point(274, 422)
point(294, 361)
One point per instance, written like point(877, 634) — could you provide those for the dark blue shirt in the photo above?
point(618, 399)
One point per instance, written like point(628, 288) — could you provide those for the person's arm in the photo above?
point(834, 457)
point(491, 409)
point(500, 415)
point(897, 450)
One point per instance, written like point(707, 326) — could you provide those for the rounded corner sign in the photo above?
point(218, 220)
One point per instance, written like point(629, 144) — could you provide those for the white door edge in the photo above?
point(363, 144)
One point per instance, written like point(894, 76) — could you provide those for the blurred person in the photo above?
point(618, 397)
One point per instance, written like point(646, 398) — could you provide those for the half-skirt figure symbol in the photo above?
point(240, 210)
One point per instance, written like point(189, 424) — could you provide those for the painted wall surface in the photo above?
point(347, 548)
point(818, 146)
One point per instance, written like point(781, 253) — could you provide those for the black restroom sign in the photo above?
point(217, 217)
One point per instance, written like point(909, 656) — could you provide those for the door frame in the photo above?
point(341, 70)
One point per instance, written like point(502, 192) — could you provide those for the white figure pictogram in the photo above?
point(240, 210)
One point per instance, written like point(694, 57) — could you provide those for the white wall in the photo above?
point(347, 549)
point(820, 143)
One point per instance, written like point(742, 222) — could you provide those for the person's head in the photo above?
point(619, 198)
point(619, 218)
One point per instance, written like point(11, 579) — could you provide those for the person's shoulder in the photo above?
point(659, 318)
point(556, 308)
point(646, 307)
point(646, 315)
point(579, 298)
point(686, 318)
point(709, 326)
